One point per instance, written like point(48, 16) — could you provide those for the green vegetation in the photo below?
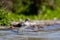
point(33, 9)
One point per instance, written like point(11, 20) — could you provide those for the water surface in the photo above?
point(50, 35)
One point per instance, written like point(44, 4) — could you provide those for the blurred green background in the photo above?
point(15, 10)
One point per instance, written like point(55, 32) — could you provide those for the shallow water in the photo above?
point(13, 35)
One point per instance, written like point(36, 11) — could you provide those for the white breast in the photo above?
point(27, 23)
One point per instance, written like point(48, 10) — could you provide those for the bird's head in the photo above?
point(27, 20)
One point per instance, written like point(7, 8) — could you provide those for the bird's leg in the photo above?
point(19, 31)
